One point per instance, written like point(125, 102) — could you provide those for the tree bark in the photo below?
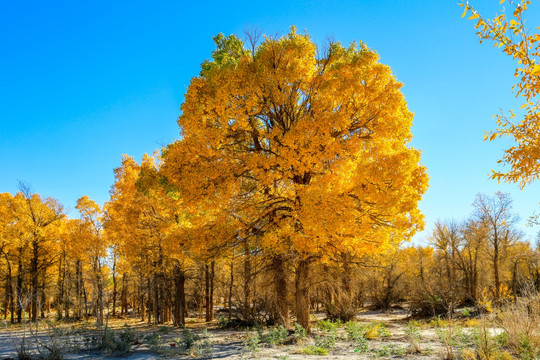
point(302, 294)
point(212, 277)
point(281, 306)
point(231, 285)
point(207, 292)
point(34, 262)
point(114, 285)
point(179, 309)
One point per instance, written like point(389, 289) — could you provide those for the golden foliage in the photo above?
point(508, 32)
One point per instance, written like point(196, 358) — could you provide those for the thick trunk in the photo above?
point(99, 288)
point(123, 295)
point(247, 285)
point(43, 296)
point(496, 270)
point(34, 280)
point(60, 286)
point(212, 277)
point(9, 291)
point(179, 309)
point(78, 290)
point(114, 286)
point(207, 302)
point(142, 303)
point(20, 301)
point(231, 285)
point(302, 294)
point(281, 306)
point(149, 289)
point(156, 300)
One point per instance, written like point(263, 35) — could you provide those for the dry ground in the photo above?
point(79, 340)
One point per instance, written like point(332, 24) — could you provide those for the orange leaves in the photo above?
point(308, 154)
point(516, 41)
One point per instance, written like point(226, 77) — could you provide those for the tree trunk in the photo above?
point(302, 294)
point(496, 269)
point(207, 292)
point(34, 279)
point(231, 285)
point(114, 285)
point(156, 300)
point(99, 286)
point(212, 277)
point(247, 285)
point(43, 296)
point(123, 295)
point(281, 306)
point(179, 309)
point(20, 301)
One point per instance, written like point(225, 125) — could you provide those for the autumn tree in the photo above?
point(37, 217)
point(508, 32)
point(95, 247)
point(496, 213)
point(307, 148)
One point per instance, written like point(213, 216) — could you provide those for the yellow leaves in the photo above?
point(475, 15)
point(521, 45)
point(465, 10)
point(536, 69)
point(285, 137)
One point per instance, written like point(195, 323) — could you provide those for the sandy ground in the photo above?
point(229, 344)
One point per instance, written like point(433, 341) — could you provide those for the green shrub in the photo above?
point(276, 335)
point(223, 322)
point(315, 350)
point(154, 341)
point(299, 331)
point(414, 336)
point(252, 341)
point(355, 332)
point(329, 325)
point(390, 350)
point(361, 345)
point(326, 342)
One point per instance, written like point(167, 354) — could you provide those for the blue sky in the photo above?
point(82, 83)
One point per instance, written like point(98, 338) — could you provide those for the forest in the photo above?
point(286, 209)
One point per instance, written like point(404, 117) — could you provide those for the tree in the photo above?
point(96, 248)
point(37, 218)
point(278, 135)
point(510, 34)
point(496, 213)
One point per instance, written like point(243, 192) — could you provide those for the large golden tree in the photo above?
point(307, 148)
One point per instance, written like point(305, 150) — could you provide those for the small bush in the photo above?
point(375, 331)
point(326, 341)
point(355, 333)
point(252, 341)
point(299, 331)
point(521, 322)
point(328, 325)
point(154, 341)
point(414, 336)
point(22, 350)
point(354, 330)
point(361, 345)
point(276, 336)
point(223, 322)
point(188, 339)
point(125, 340)
point(390, 350)
point(315, 350)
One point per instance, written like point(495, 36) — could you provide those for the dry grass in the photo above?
point(521, 321)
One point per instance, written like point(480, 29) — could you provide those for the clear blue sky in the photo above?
point(82, 83)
